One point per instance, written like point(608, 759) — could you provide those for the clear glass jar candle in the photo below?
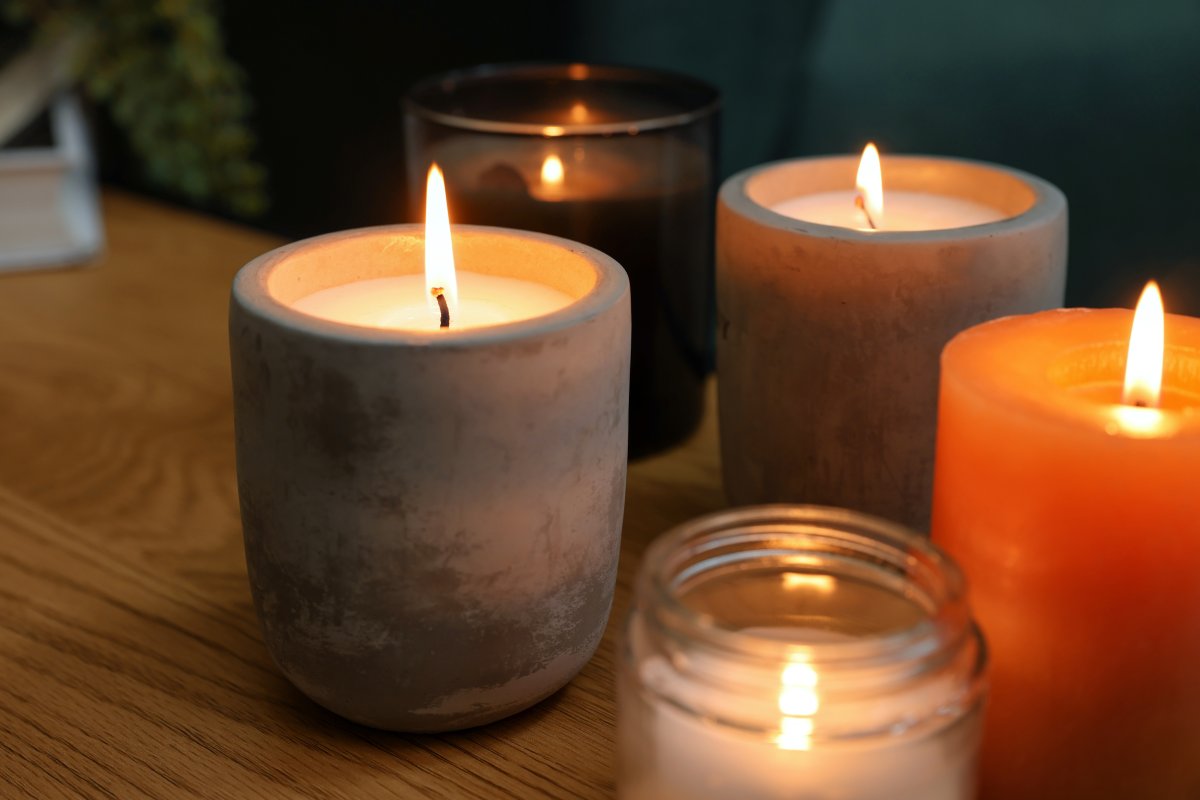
point(799, 651)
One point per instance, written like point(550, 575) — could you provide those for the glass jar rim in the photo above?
point(946, 626)
point(417, 99)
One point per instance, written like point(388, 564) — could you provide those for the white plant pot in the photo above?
point(49, 207)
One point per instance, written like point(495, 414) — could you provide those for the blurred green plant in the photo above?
point(160, 68)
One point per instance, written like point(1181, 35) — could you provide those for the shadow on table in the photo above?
point(309, 714)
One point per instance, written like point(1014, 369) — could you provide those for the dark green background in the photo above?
point(1102, 98)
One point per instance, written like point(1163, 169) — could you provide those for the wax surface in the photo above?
point(1077, 525)
point(669, 753)
point(704, 724)
point(400, 303)
point(903, 211)
point(696, 761)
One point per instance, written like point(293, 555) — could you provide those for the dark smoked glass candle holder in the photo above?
point(617, 158)
point(798, 652)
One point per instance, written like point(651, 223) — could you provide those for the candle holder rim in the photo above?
point(250, 291)
point(1048, 202)
point(941, 633)
point(562, 69)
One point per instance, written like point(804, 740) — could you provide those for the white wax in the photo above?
point(700, 761)
point(400, 303)
point(685, 756)
point(902, 211)
point(676, 740)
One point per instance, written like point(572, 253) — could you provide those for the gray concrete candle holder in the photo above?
point(431, 520)
point(828, 338)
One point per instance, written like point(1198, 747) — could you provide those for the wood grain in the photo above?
point(130, 659)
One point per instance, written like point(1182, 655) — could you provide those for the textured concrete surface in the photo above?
point(431, 520)
point(828, 339)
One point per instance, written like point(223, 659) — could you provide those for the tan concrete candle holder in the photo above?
point(828, 337)
point(431, 520)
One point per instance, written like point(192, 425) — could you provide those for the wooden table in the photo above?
point(130, 658)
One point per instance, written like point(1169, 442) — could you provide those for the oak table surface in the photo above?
point(131, 663)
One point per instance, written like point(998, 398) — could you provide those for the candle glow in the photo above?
point(824, 584)
point(440, 277)
point(798, 702)
point(908, 209)
point(869, 186)
point(552, 171)
point(1144, 364)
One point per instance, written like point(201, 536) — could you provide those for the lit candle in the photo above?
point(431, 480)
point(1067, 463)
point(774, 653)
point(410, 302)
point(698, 758)
point(550, 179)
point(828, 335)
point(619, 159)
point(864, 207)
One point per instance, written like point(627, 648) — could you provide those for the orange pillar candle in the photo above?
point(1072, 503)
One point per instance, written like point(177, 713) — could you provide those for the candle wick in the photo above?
point(861, 205)
point(1140, 403)
point(440, 294)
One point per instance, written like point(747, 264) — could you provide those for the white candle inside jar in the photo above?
point(698, 760)
point(440, 299)
point(777, 672)
point(399, 302)
point(866, 207)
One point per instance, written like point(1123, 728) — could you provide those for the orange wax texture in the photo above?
point(1080, 538)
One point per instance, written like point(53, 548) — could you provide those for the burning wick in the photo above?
point(869, 183)
point(1144, 362)
point(439, 293)
point(861, 204)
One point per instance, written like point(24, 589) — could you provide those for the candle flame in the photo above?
point(1144, 364)
point(798, 702)
point(870, 186)
point(439, 252)
point(579, 111)
point(552, 171)
point(823, 584)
